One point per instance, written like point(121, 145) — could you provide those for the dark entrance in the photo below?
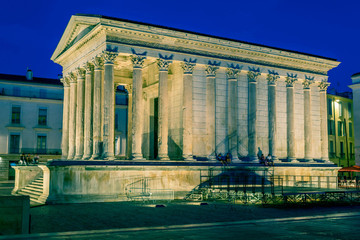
point(154, 128)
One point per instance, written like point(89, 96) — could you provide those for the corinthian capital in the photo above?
point(137, 60)
point(88, 67)
point(323, 85)
point(72, 77)
point(65, 81)
point(80, 73)
point(272, 77)
point(232, 71)
point(212, 68)
point(253, 74)
point(188, 66)
point(308, 80)
point(98, 63)
point(290, 79)
point(109, 57)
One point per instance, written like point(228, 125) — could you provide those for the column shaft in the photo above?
point(88, 114)
point(323, 126)
point(72, 120)
point(137, 114)
point(272, 120)
point(187, 117)
point(307, 125)
point(210, 117)
point(163, 116)
point(290, 105)
point(65, 127)
point(232, 118)
point(97, 144)
point(129, 123)
point(109, 111)
point(252, 120)
point(80, 116)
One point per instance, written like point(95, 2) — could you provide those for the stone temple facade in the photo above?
point(190, 95)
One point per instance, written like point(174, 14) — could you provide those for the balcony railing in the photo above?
point(43, 151)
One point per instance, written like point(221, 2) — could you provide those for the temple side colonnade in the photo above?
point(189, 95)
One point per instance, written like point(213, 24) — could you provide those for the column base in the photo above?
point(276, 159)
point(78, 157)
point(137, 157)
point(86, 157)
point(94, 157)
point(188, 158)
point(163, 157)
point(236, 160)
point(309, 160)
point(292, 159)
point(212, 158)
point(254, 159)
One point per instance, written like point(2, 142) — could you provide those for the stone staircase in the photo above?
point(35, 191)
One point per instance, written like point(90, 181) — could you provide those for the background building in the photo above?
point(31, 114)
point(341, 129)
point(356, 94)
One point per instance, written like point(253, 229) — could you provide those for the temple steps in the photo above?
point(34, 190)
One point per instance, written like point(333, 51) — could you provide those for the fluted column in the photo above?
point(307, 119)
point(232, 75)
point(272, 78)
point(163, 130)
point(88, 117)
point(80, 113)
point(211, 70)
point(252, 75)
point(129, 122)
point(137, 107)
point(97, 144)
point(72, 116)
point(109, 105)
point(290, 114)
point(323, 121)
point(65, 126)
point(188, 67)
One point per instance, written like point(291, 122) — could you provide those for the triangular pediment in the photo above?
point(76, 29)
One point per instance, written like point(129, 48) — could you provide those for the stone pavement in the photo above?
point(329, 226)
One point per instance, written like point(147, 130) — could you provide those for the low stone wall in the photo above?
point(14, 215)
point(25, 175)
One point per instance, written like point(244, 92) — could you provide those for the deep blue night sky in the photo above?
point(31, 30)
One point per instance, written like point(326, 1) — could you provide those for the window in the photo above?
point(331, 146)
point(340, 129)
point(16, 91)
point(331, 127)
point(342, 150)
point(14, 143)
point(42, 117)
point(340, 109)
point(350, 129)
point(15, 114)
point(349, 110)
point(42, 93)
point(351, 151)
point(41, 144)
point(329, 106)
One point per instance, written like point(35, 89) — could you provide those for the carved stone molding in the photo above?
point(129, 88)
point(188, 66)
point(65, 81)
point(137, 60)
point(253, 74)
point(80, 73)
point(109, 57)
point(98, 63)
point(272, 77)
point(307, 82)
point(290, 79)
point(323, 85)
point(72, 77)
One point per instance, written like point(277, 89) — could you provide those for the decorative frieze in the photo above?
point(188, 66)
point(272, 77)
point(290, 79)
point(253, 74)
point(307, 82)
